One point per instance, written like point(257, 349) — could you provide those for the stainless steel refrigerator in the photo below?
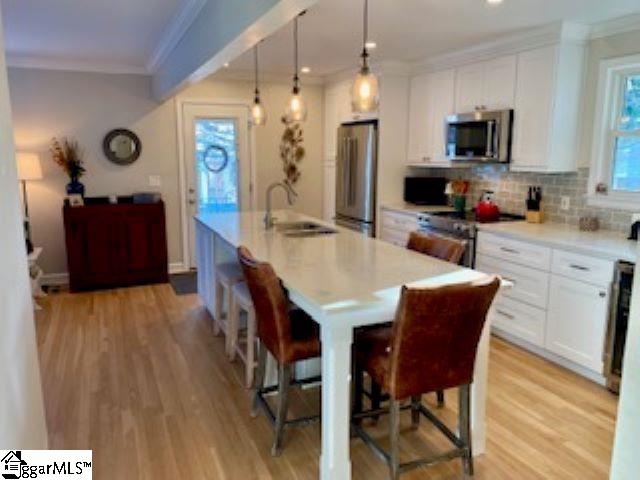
point(356, 172)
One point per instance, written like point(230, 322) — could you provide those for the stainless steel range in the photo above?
point(462, 226)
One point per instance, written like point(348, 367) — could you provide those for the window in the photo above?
point(615, 172)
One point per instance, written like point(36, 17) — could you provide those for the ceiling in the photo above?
point(113, 34)
point(126, 35)
point(410, 30)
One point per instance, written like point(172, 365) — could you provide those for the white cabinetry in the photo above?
point(430, 102)
point(547, 108)
point(396, 226)
point(559, 302)
point(486, 85)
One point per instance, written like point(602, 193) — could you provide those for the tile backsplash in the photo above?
point(510, 190)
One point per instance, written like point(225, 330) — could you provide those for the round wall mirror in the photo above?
point(122, 146)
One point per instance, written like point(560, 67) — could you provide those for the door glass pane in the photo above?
point(630, 114)
point(626, 164)
point(216, 165)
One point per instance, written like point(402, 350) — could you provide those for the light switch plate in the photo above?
point(155, 181)
point(565, 202)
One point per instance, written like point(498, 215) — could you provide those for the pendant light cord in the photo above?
point(255, 64)
point(365, 35)
point(296, 79)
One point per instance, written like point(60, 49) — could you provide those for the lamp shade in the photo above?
point(29, 167)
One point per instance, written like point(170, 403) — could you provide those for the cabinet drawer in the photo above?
point(397, 237)
point(520, 320)
point(516, 251)
point(529, 285)
point(398, 221)
point(581, 267)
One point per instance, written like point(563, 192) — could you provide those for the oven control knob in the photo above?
point(460, 227)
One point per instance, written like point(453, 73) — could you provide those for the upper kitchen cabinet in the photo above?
point(547, 109)
point(486, 85)
point(430, 102)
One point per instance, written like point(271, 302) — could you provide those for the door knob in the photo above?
point(192, 202)
point(192, 190)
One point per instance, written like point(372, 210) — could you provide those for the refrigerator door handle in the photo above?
point(353, 170)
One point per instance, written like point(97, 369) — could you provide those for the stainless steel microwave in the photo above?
point(481, 136)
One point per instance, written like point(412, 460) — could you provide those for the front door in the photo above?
point(218, 167)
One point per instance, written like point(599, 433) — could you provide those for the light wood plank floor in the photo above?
point(136, 375)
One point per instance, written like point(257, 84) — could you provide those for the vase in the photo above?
point(75, 187)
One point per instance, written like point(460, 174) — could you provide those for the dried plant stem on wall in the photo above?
point(291, 151)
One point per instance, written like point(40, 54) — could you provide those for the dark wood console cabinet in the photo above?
point(115, 245)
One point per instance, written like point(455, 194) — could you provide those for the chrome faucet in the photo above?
point(291, 194)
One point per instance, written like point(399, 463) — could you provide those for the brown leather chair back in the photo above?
point(444, 248)
point(435, 336)
point(269, 301)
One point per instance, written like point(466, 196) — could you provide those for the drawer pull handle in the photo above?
point(603, 294)
point(509, 279)
point(505, 314)
point(579, 267)
point(510, 250)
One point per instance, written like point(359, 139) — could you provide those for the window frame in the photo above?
point(605, 132)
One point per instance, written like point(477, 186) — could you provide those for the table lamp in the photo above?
point(29, 168)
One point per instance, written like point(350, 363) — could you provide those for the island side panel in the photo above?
point(205, 266)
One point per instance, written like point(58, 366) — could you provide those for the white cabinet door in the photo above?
point(331, 121)
point(417, 148)
point(499, 83)
point(470, 88)
point(535, 88)
point(576, 321)
point(441, 104)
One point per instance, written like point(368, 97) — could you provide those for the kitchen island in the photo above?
point(342, 280)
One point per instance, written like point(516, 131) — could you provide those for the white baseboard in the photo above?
point(55, 279)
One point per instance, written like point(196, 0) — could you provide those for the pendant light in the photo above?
point(258, 113)
point(364, 92)
point(296, 110)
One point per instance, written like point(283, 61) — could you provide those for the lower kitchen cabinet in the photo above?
point(576, 321)
point(520, 320)
point(396, 226)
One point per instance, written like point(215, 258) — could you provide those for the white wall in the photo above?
point(22, 423)
point(626, 461)
point(84, 106)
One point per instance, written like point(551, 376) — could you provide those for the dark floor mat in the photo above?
point(184, 283)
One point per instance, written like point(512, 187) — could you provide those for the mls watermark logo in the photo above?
point(46, 464)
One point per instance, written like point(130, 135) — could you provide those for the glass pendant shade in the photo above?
point(258, 113)
point(364, 92)
point(296, 109)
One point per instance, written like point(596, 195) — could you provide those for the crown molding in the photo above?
point(628, 23)
point(174, 32)
point(506, 45)
point(65, 65)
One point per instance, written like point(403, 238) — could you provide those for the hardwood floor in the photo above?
point(136, 375)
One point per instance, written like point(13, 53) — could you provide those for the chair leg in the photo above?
point(233, 320)
point(376, 397)
point(394, 432)
point(284, 381)
point(464, 396)
point(251, 347)
point(415, 411)
point(217, 317)
point(259, 380)
point(440, 396)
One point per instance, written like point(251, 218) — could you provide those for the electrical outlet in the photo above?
point(565, 202)
point(155, 181)
point(635, 217)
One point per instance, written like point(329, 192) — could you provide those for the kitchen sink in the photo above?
point(304, 229)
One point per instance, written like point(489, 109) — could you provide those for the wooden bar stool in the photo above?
point(290, 335)
point(432, 346)
point(241, 301)
point(226, 276)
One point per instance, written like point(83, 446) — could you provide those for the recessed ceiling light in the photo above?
point(305, 70)
point(494, 2)
point(226, 65)
point(371, 45)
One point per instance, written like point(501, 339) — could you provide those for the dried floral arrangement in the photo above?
point(69, 156)
point(291, 151)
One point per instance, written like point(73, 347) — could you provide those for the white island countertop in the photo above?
point(334, 271)
point(602, 243)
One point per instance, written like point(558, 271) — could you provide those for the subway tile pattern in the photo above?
point(511, 192)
